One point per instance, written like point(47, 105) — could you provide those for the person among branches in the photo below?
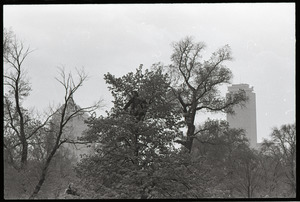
point(138, 106)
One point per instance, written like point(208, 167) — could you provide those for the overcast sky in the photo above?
point(118, 38)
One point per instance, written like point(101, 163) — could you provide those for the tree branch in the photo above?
point(40, 126)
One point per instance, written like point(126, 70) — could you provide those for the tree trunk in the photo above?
point(24, 153)
point(190, 138)
point(189, 119)
point(23, 140)
point(44, 173)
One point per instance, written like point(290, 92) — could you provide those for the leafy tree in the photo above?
point(272, 174)
point(137, 159)
point(282, 149)
point(220, 146)
point(246, 173)
point(195, 83)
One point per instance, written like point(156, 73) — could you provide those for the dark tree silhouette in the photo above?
point(138, 106)
point(195, 83)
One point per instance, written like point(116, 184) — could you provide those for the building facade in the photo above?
point(245, 117)
point(73, 130)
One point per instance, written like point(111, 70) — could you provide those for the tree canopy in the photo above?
point(195, 83)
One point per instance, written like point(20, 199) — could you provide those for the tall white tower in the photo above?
point(245, 117)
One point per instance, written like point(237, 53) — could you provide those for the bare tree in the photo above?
point(70, 87)
point(195, 83)
point(18, 88)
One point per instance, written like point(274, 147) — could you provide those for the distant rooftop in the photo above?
point(236, 87)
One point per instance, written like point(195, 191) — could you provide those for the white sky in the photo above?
point(118, 38)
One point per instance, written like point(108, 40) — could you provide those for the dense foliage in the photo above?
point(137, 159)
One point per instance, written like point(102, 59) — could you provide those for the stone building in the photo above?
point(72, 132)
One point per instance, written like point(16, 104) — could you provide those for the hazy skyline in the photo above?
point(118, 38)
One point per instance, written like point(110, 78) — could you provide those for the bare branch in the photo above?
point(11, 118)
point(77, 142)
point(40, 126)
point(66, 115)
point(78, 112)
point(9, 84)
point(10, 78)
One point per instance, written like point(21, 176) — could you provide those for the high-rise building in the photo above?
point(245, 117)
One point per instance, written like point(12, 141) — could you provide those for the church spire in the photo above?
point(71, 102)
